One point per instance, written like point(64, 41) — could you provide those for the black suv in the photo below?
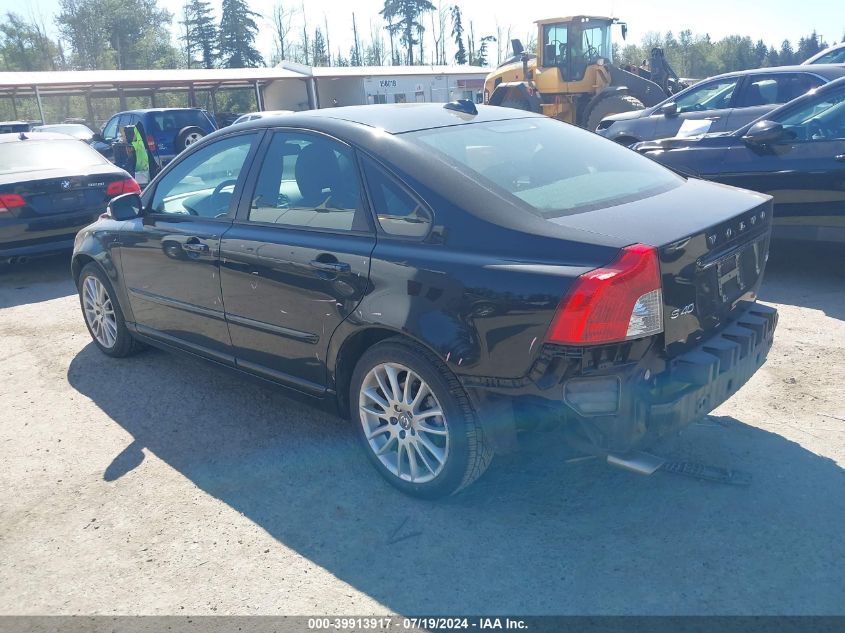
point(443, 276)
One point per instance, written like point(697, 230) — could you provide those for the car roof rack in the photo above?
point(462, 105)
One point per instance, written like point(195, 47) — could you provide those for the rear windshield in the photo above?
point(33, 155)
point(175, 120)
point(552, 168)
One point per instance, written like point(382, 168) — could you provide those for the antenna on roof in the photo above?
point(462, 105)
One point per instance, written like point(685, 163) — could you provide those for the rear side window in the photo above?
point(550, 167)
point(775, 89)
point(311, 182)
point(398, 211)
point(47, 154)
point(175, 120)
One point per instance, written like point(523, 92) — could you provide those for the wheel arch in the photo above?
point(345, 356)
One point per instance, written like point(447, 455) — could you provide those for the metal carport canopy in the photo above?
point(102, 83)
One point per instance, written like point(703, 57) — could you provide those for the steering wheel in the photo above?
point(221, 186)
point(592, 52)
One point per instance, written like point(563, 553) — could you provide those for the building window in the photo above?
point(379, 99)
point(399, 97)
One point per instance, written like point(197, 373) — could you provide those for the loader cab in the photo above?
point(573, 44)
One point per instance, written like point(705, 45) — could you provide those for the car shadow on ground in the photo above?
point(810, 275)
point(36, 280)
point(538, 534)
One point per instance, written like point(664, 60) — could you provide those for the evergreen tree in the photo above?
point(320, 56)
point(458, 34)
point(786, 56)
point(237, 36)
point(481, 57)
point(403, 17)
point(201, 35)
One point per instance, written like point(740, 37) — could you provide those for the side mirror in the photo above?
point(668, 109)
point(624, 31)
point(125, 207)
point(766, 132)
point(97, 137)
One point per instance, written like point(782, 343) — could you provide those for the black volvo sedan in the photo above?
point(443, 276)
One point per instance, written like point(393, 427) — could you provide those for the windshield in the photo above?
point(34, 155)
point(551, 168)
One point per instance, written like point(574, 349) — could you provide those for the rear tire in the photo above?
point(613, 104)
point(421, 453)
point(102, 314)
point(187, 137)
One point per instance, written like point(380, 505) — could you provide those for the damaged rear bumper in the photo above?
point(626, 396)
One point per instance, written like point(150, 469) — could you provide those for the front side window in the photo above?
point(715, 95)
point(308, 181)
point(549, 167)
point(398, 211)
point(554, 44)
point(203, 183)
point(819, 119)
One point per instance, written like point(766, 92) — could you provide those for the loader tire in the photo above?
point(613, 104)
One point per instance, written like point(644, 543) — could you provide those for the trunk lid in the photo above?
point(712, 244)
point(59, 191)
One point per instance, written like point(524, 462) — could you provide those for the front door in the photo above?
point(170, 256)
point(708, 105)
point(805, 174)
point(296, 261)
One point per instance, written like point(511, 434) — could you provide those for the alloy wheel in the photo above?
point(404, 424)
point(99, 312)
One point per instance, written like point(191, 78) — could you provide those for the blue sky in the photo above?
point(772, 20)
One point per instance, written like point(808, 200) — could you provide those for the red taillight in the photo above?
point(614, 303)
point(118, 187)
point(151, 143)
point(10, 201)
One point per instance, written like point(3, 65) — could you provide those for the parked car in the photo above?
point(795, 153)
point(252, 116)
point(167, 131)
point(443, 276)
point(7, 127)
point(833, 55)
point(719, 104)
point(51, 185)
point(76, 130)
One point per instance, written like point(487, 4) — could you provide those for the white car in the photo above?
point(833, 55)
point(251, 116)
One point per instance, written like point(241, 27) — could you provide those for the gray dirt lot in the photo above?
point(156, 485)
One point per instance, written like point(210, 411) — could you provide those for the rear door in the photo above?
point(296, 261)
point(170, 256)
point(762, 93)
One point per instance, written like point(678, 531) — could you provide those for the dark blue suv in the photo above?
point(166, 131)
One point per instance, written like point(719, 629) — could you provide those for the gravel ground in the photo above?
point(156, 485)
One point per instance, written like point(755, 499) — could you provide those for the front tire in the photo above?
point(415, 421)
point(103, 316)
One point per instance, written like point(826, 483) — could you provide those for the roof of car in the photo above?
point(149, 110)
point(397, 118)
point(828, 71)
point(11, 137)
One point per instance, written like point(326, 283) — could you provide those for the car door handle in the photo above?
point(331, 267)
point(195, 247)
